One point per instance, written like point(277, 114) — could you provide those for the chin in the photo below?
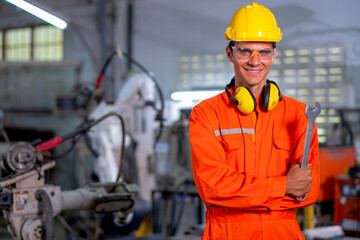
point(255, 80)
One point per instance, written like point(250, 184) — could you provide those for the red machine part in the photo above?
point(347, 203)
point(50, 144)
point(334, 161)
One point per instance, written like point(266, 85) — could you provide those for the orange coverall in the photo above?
point(239, 165)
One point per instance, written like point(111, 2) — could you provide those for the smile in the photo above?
point(253, 72)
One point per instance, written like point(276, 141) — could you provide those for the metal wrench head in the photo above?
point(312, 112)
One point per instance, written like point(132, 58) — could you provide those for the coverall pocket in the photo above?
point(283, 150)
point(232, 143)
point(234, 149)
point(283, 143)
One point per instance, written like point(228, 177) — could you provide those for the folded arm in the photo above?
point(222, 185)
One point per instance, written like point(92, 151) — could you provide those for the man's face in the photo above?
point(251, 69)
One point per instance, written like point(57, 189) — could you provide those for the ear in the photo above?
point(229, 54)
point(276, 50)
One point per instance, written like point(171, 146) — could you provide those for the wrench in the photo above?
point(311, 114)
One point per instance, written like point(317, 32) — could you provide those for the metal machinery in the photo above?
point(347, 203)
point(173, 165)
point(319, 220)
point(333, 162)
point(29, 205)
point(175, 194)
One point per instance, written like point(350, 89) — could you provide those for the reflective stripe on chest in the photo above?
point(234, 131)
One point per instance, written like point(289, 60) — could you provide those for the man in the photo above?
point(247, 142)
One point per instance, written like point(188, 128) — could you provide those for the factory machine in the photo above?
point(337, 208)
point(177, 207)
point(173, 165)
point(29, 204)
point(347, 203)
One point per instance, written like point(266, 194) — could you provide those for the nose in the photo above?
point(254, 59)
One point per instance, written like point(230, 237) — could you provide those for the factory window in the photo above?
point(18, 44)
point(40, 43)
point(48, 43)
point(317, 75)
point(204, 71)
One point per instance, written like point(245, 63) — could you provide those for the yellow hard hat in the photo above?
point(253, 22)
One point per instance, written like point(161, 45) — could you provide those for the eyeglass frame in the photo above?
point(252, 52)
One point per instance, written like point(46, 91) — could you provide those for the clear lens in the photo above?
point(246, 53)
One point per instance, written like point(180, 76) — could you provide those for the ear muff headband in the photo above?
point(229, 94)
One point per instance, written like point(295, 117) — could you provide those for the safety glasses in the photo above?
point(247, 53)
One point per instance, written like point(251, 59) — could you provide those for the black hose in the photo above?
point(89, 146)
point(45, 201)
point(107, 62)
point(68, 151)
point(82, 131)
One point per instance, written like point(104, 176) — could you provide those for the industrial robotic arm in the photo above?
point(137, 92)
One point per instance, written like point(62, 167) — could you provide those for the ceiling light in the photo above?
point(40, 12)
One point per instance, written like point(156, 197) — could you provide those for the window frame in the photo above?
point(33, 44)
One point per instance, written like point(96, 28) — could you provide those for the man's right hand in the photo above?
point(299, 181)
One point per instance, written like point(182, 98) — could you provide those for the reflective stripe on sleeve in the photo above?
point(234, 131)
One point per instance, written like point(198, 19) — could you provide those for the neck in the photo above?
point(256, 90)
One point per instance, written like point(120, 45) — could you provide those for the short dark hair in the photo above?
point(232, 43)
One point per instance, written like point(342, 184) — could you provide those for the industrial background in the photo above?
point(106, 99)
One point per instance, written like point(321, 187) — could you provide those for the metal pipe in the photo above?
point(79, 198)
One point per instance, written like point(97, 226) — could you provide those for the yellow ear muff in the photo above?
point(273, 97)
point(270, 97)
point(247, 101)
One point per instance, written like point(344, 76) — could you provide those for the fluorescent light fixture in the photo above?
point(40, 12)
point(194, 95)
